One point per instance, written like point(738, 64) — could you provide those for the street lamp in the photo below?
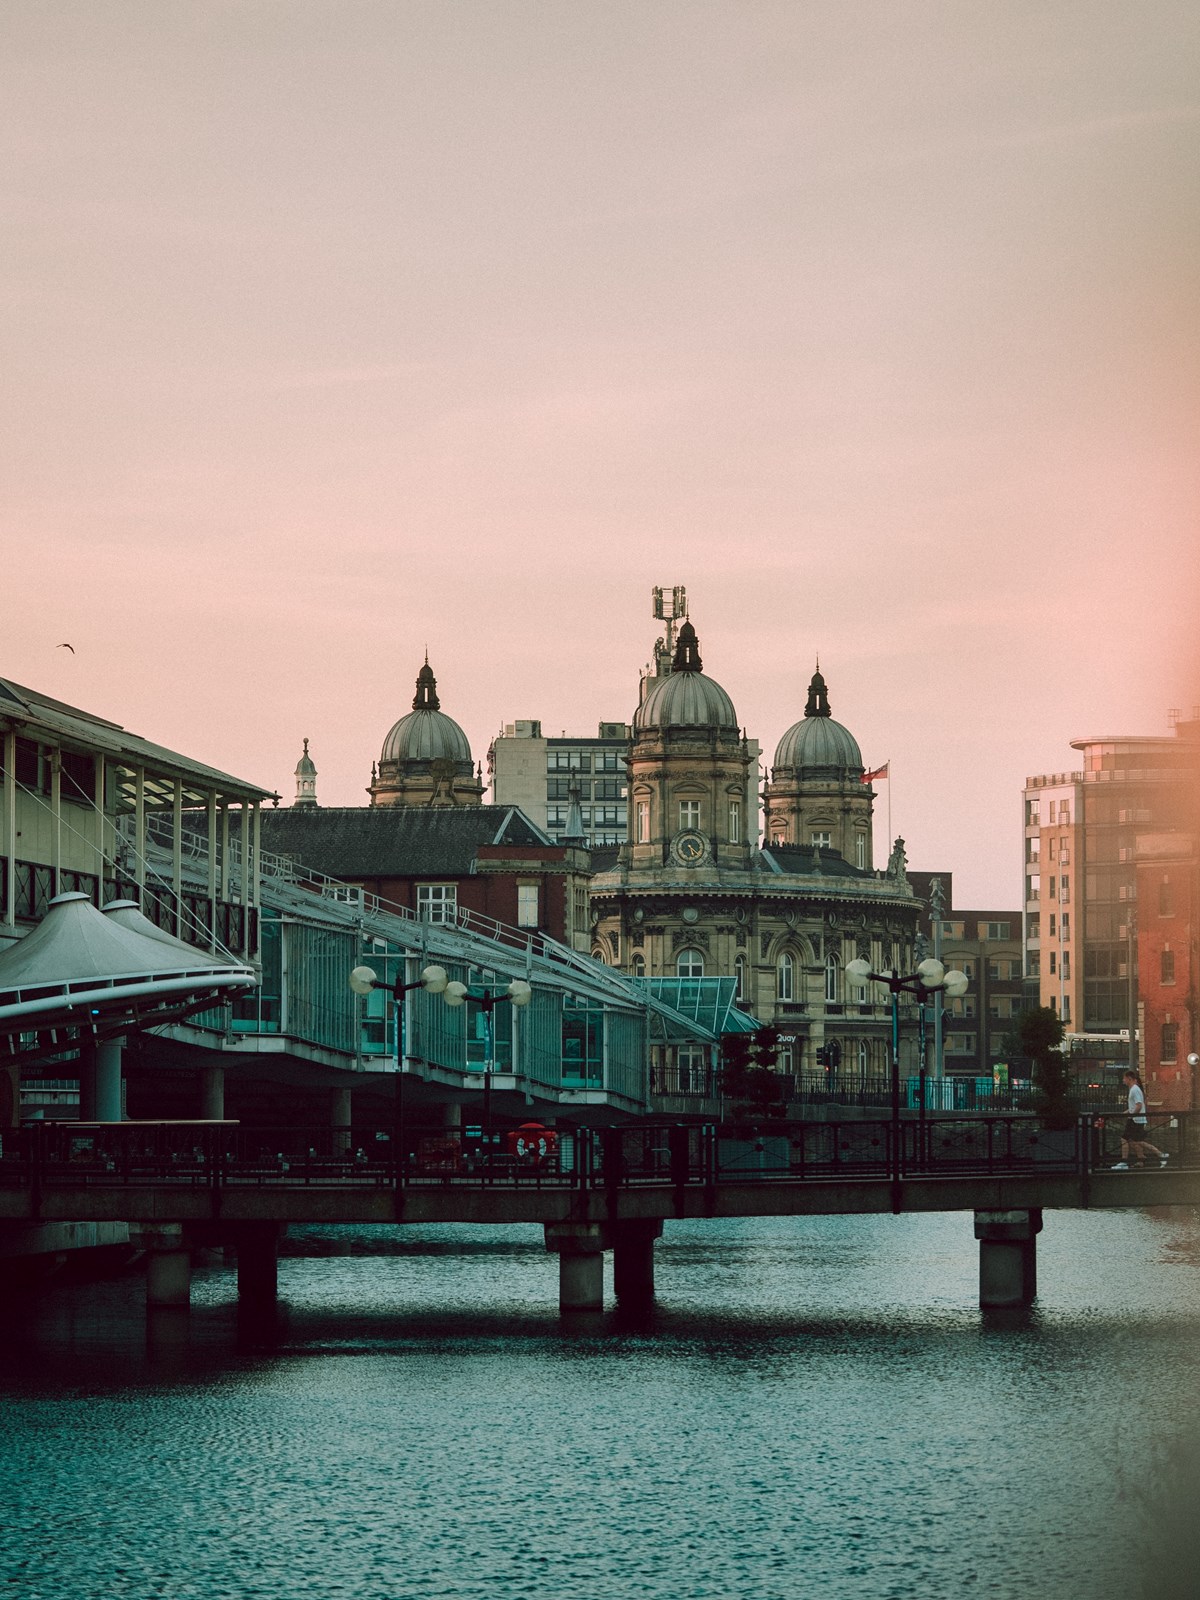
point(433, 980)
point(930, 978)
point(518, 993)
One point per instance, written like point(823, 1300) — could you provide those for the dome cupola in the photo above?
point(685, 697)
point(306, 780)
point(817, 740)
point(426, 758)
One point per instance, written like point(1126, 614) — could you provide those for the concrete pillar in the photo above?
point(1007, 1256)
point(100, 1081)
point(633, 1259)
point(212, 1094)
point(339, 1120)
point(108, 1080)
point(168, 1265)
point(451, 1118)
point(257, 1261)
point(580, 1248)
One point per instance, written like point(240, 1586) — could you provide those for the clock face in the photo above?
point(690, 848)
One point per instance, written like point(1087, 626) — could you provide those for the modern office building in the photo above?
point(535, 773)
point(1100, 842)
point(986, 945)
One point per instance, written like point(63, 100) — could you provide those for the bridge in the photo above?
point(183, 1184)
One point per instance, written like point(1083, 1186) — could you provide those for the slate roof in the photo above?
point(804, 859)
point(394, 841)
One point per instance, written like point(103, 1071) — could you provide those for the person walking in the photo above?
point(1133, 1135)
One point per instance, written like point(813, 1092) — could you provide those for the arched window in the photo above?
point(833, 979)
point(639, 966)
point(739, 972)
point(786, 985)
point(864, 1057)
point(690, 964)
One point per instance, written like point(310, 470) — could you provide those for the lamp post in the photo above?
point(930, 978)
point(518, 993)
point(433, 980)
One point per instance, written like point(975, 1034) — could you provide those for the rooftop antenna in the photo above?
point(671, 609)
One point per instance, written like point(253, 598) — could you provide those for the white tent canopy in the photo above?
point(81, 967)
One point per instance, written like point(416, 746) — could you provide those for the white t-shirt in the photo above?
point(1137, 1103)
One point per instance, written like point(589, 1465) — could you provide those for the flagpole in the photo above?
point(888, 765)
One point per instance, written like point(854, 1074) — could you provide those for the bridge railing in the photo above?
point(224, 1155)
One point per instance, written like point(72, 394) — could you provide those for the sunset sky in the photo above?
point(335, 330)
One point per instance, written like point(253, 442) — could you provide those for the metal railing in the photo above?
point(223, 1156)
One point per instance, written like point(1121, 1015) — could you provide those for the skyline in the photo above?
point(336, 333)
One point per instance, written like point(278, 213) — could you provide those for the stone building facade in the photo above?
point(689, 895)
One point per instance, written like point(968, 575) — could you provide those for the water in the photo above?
point(816, 1406)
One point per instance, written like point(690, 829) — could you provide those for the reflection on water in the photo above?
point(814, 1406)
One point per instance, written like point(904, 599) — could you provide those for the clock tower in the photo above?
point(691, 783)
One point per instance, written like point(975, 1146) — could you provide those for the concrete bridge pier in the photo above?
point(580, 1248)
point(257, 1245)
point(633, 1259)
point(1007, 1256)
point(168, 1264)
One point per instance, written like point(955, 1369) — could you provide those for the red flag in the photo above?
point(879, 772)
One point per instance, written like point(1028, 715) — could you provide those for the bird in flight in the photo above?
point(69, 647)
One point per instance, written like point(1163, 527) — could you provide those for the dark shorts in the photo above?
point(1135, 1132)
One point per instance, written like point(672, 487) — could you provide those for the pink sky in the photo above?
point(336, 330)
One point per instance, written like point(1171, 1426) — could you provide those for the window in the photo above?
point(437, 902)
point(739, 972)
point(1066, 924)
point(1053, 888)
point(1066, 1008)
point(1066, 963)
point(689, 813)
point(1064, 890)
point(786, 985)
point(960, 1044)
point(821, 838)
point(952, 930)
point(1166, 898)
point(77, 777)
point(833, 979)
point(1053, 967)
point(607, 789)
point(527, 905)
point(693, 1069)
point(643, 821)
point(860, 851)
point(605, 816)
point(735, 822)
point(556, 817)
point(638, 966)
point(1170, 1041)
point(608, 761)
point(999, 930)
point(1053, 925)
point(1167, 967)
point(690, 964)
point(1033, 968)
point(1033, 813)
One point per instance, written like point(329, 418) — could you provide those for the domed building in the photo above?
point(691, 895)
point(426, 759)
point(817, 794)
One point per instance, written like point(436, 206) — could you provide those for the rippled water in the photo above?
point(815, 1407)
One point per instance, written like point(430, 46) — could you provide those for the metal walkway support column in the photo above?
point(212, 1094)
point(257, 1262)
point(100, 1081)
point(580, 1248)
point(168, 1265)
point(633, 1259)
point(1007, 1256)
point(339, 1120)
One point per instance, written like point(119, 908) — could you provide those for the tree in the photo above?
point(1038, 1038)
point(748, 1075)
